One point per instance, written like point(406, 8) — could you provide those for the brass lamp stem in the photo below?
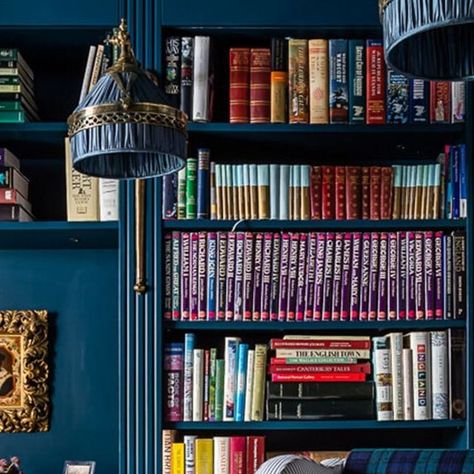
point(140, 286)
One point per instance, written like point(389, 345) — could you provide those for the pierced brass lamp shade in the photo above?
point(429, 39)
point(125, 127)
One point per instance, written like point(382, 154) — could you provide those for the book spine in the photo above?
point(274, 189)
point(260, 66)
point(375, 192)
point(312, 360)
point(439, 375)
point(189, 454)
point(249, 385)
point(355, 276)
point(310, 276)
point(212, 384)
point(300, 352)
point(181, 194)
point(198, 385)
point(438, 271)
point(462, 182)
point(301, 277)
point(318, 377)
point(258, 394)
point(189, 342)
point(318, 81)
point(221, 455)
point(315, 192)
point(428, 275)
point(337, 277)
point(284, 186)
point(172, 68)
point(237, 455)
point(202, 276)
point(241, 378)
point(411, 276)
point(375, 70)
point(396, 363)
point(194, 277)
point(185, 275)
point(305, 212)
point(235, 191)
point(201, 79)
point(419, 101)
point(206, 384)
point(246, 185)
point(221, 275)
point(386, 192)
point(203, 185)
point(279, 81)
point(292, 275)
point(255, 453)
point(365, 272)
point(327, 192)
point(317, 368)
point(407, 384)
point(186, 84)
point(397, 97)
point(396, 192)
point(230, 378)
point(338, 83)
point(254, 201)
point(191, 190)
point(328, 277)
point(203, 458)
point(440, 102)
point(230, 276)
point(220, 374)
point(168, 437)
point(167, 251)
point(402, 275)
point(239, 277)
point(173, 368)
point(275, 277)
point(383, 378)
point(175, 276)
point(87, 73)
point(266, 276)
point(177, 458)
point(319, 276)
point(109, 198)
point(211, 275)
point(459, 274)
point(457, 378)
point(257, 277)
point(298, 81)
point(284, 270)
point(448, 277)
point(457, 102)
point(248, 277)
point(353, 192)
point(365, 192)
point(382, 277)
point(393, 267)
point(356, 59)
point(374, 274)
point(263, 191)
point(239, 83)
point(340, 192)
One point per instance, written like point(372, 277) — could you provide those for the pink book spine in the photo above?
point(319, 279)
point(310, 276)
point(301, 277)
point(194, 296)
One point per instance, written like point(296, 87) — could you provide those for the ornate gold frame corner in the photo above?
point(31, 411)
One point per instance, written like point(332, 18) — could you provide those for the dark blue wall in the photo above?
point(79, 289)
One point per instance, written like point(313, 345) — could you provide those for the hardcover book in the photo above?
point(318, 81)
point(356, 59)
point(375, 85)
point(298, 93)
point(239, 83)
point(260, 65)
point(338, 82)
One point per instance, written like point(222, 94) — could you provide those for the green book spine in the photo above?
point(12, 116)
point(181, 194)
point(212, 385)
point(191, 190)
point(9, 53)
point(10, 105)
point(10, 80)
point(219, 390)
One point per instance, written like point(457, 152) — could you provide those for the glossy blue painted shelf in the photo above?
point(310, 325)
point(58, 235)
point(318, 425)
point(205, 224)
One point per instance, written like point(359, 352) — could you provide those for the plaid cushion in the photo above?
point(410, 461)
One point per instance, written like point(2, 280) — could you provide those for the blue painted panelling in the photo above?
point(79, 289)
point(269, 13)
point(58, 12)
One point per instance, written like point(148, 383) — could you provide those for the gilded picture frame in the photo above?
point(24, 394)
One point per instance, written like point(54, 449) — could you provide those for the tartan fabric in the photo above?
point(410, 461)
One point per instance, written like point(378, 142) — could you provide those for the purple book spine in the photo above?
point(221, 275)
point(328, 277)
point(319, 279)
point(383, 267)
point(402, 275)
point(429, 274)
point(346, 275)
point(284, 262)
point(170, 196)
point(211, 275)
point(374, 275)
point(301, 277)
point(365, 277)
point(185, 274)
point(194, 268)
point(167, 276)
point(411, 289)
point(438, 274)
point(248, 276)
point(257, 278)
point(275, 283)
point(202, 276)
point(266, 276)
point(419, 280)
point(448, 275)
point(310, 276)
point(176, 272)
point(392, 275)
point(355, 276)
point(239, 277)
point(230, 277)
point(337, 277)
point(292, 271)
point(173, 364)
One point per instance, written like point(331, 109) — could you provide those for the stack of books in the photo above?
point(205, 189)
point(217, 455)
point(320, 377)
point(17, 98)
point(316, 276)
point(14, 187)
point(202, 387)
point(420, 375)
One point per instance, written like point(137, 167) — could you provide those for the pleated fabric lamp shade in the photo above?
point(125, 127)
point(429, 39)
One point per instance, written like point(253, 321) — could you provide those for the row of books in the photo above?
point(202, 387)
point(217, 455)
point(420, 375)
point(317, 276)
point(17, 98)
point(206, 189)
point(14, 189)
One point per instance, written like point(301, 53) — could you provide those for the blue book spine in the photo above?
point(455, 181)
point(356, 81)
point(203, 190)
point(211, 275)
point(419, 101)
point(242, 355)
point(397, 97)
point(189, 341)
point(338, 86)
point(463, 182)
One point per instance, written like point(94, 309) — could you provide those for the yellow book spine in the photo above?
point(203, 451)
point(177, 458)
point(278, 96)
point(167, 439)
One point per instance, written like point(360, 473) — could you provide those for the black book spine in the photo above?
point(172, 68)
point(457, 373)
point(459, 274)
point(279, 50)
point(187, 60)
point(321, 390)
point(170, 196)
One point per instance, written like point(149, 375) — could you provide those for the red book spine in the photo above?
point(375, 192)
point(319, 377)
point(260, 68)
point(440, 102)
point(237, 454)
point(319, 368)
point(375, 93)
point(327, 192)
point(353, 192)
point(255, 453)
point(318, 344)
point(386, 192)
point(365, 192)
point(315, 192)
point(239, 85)
point(340, 185)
